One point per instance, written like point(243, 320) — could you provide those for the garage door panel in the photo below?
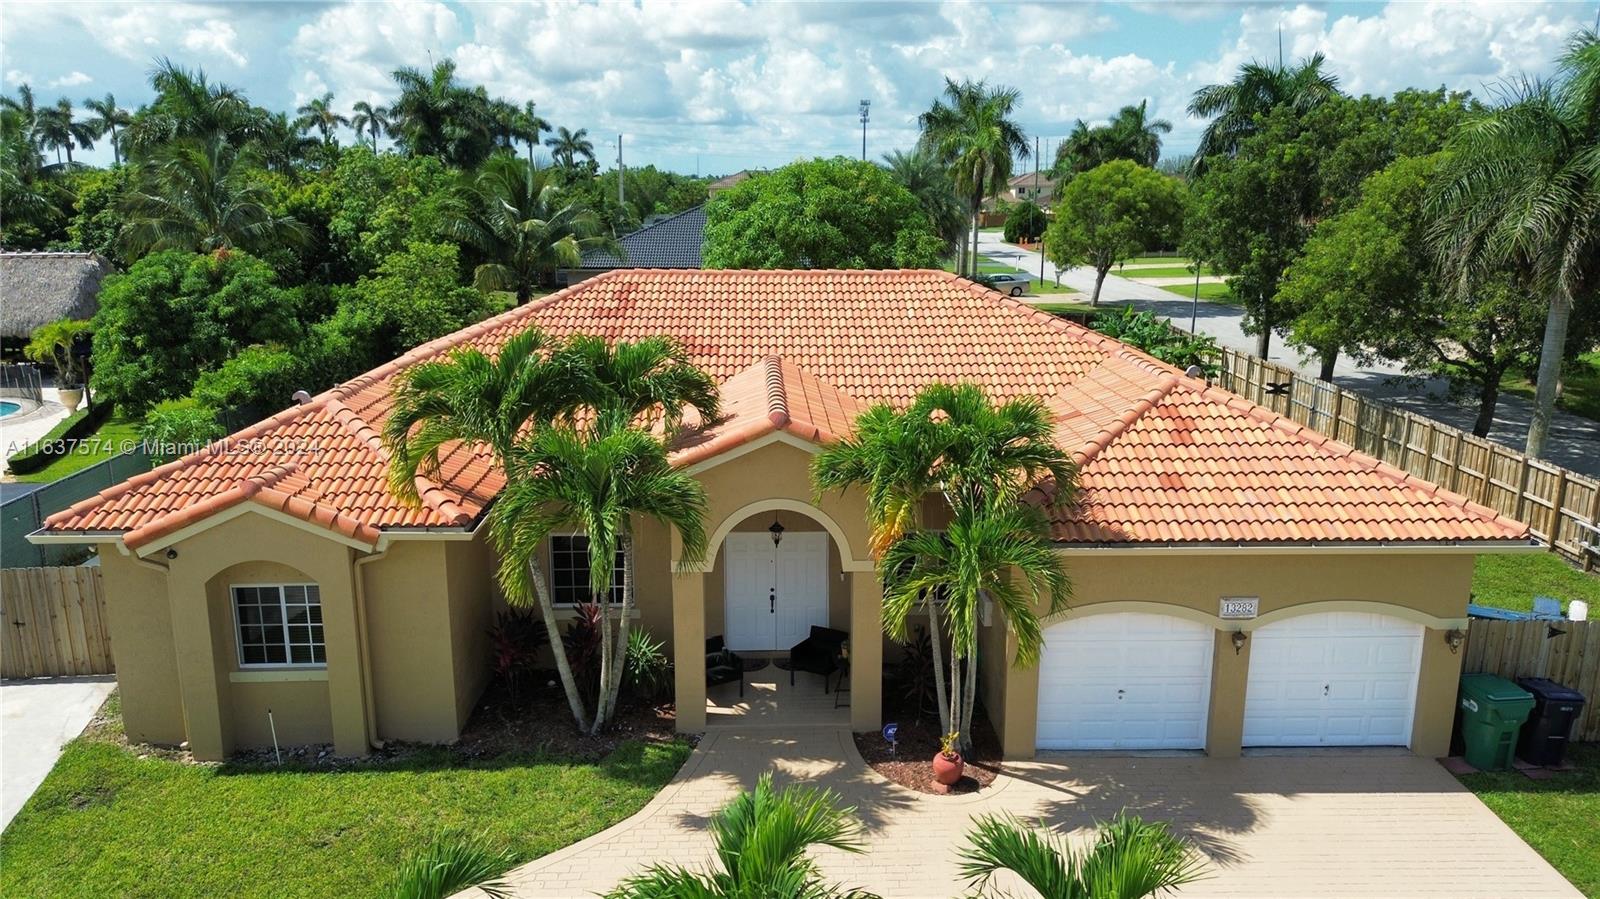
point(1333, 679)
point(1125, 681)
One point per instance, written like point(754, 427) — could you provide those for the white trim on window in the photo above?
point(283, 623)
point(617, 572)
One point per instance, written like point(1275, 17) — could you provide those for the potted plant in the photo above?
point(947, 764)
point(52, 345)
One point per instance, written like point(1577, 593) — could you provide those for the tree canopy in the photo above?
point(1110, 213)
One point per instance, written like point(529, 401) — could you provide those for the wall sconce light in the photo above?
point(1238, 641)
point(776, 530)
point(1453, 638)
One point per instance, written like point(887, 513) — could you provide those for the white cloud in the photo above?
point(72, 79)
point(15, 77)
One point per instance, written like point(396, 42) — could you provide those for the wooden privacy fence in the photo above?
point(1558, 505)
point(1567, 652)
point(54, 622)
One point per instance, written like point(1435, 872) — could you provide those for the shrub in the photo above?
point(1143, 330)
point(1025, 223)
point(582, 642)
point(647, 673)
point(914, 674)
point(178, 427)
point(455, 862)
point(261, 379)
point(514, 644)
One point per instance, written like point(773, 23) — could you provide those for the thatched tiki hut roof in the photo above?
point(39, 288)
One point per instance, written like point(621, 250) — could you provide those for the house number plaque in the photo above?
point(1240, 607)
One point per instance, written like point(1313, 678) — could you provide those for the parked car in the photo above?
point(1015, 283)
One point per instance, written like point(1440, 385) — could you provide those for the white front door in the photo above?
point(775, 594)
point(1332, 679)
point(1125, 681)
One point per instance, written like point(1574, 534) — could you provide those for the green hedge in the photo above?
point(61, 440)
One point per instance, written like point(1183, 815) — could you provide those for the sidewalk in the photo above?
point(1574, 441)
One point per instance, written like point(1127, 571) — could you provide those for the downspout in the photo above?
point(365, 648)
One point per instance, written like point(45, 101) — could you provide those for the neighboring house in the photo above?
point(40, 288)
point(1040, 188)
point(674, 241)
point(727, 181)
point(1239, 580)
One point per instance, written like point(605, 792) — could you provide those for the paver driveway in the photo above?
point(1358, 824)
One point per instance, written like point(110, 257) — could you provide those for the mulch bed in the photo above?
point(911, 765)
point(537, 716)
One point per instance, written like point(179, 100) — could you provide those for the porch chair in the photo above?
point(723, 666)
point(819, 653)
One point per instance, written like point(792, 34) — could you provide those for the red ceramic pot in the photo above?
point(947, 768)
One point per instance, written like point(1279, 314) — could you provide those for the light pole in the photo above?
point(866, 106)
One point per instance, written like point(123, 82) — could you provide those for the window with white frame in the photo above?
point(279, 624)
point(569, 571)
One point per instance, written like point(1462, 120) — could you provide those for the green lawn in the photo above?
point(1511, 581)
point(1216, 293)
point(1559, 817)
point(108, 823)
point(116, 436)
point(1580, 392)
point(1178, 261)
point(1176, 271)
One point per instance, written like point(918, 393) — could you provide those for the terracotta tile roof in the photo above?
point(1164, 458)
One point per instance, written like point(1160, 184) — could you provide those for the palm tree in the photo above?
point(189, 106)
point(921, 173)
point(593, 479)
point(23, 197)
point(529, 126)
point(525, 227)
point(503, 115)
point(975, 136)
point(761, 839)
point(1129, 859)
point(23, 106)
point(981, 459)
point(436, 116)
point(107, 119)
point(1521, 189)
point(58, 129)
point(566, 146)
point(374, 120)
point(281, 145)
point(1139, 136)
point(320, 115)
point(202, 197)
point(1257, 89)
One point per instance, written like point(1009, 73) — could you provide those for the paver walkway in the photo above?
point(1574, 440)
point(1350, 825)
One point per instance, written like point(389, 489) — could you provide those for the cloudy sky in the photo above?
point(718, 86)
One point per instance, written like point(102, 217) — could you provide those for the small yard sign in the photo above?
point(1240, 607)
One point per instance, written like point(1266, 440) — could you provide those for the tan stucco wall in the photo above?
point(410, 635)
point(139, 619)
point(1419, 587)
point(470, 567)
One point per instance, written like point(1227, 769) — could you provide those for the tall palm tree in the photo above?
point(318, 114)
point(503, 116)
point(982, 460)
point(202, 197)
point(374, 120)
point(189, 105)
point(1129, 859)
point(594, 478)
point(436, 116)
point(1138, 135)
point(108, 117)
point(474, 399)
point(761, 838)
point(24, 199)
point(517, 216)
point(281, 146)
point(920, 172)
point(1258, 88)
point(58, 128)
point(974, 134)
point(567, 146)
point(23, 105)
point(1131, 135)
point(530, 125)
point(1521, 189)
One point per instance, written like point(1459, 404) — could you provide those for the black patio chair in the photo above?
point(723, 666)
point(819, 653)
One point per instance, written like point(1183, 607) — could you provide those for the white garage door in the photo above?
point(1125, 681)
point(1332, 679)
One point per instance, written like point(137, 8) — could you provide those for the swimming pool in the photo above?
point(8, 408)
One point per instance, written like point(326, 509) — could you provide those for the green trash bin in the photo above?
point(1492, 712)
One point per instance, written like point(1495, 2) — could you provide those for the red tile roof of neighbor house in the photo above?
point(1164, 458)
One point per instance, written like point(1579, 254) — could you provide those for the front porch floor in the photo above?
point(770, 701)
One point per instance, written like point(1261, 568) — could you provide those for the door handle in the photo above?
point(772, 602)
point(1325, 689)
point(1120, 692)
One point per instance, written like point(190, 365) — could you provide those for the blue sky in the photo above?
point(718, 86)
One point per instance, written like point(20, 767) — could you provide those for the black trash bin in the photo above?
point(1555, 710)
